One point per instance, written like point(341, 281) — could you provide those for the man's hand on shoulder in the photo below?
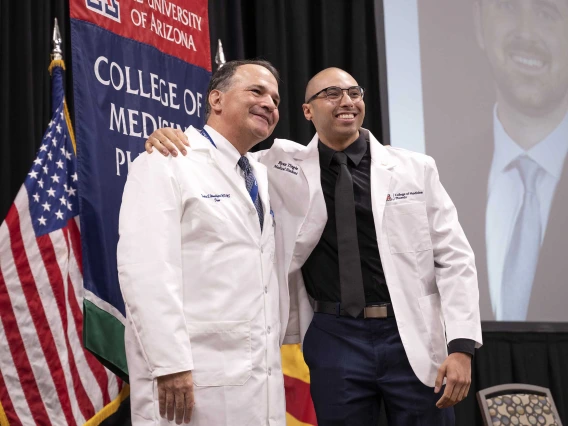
point(175, 395)
point(457, 371)
point(167, 140)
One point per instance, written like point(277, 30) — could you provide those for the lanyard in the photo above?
point(204, 133)
point(254, 190)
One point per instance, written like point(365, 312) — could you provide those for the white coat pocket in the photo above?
point(431, 308)
point(407, 228)
point(221, 352)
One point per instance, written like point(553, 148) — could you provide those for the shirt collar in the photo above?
point(225, 147)
point(355, 152)
point(548, 153)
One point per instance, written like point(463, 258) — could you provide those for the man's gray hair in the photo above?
point(221, 79)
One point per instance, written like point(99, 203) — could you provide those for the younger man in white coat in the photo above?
point(202, 299)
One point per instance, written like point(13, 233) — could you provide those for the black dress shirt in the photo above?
point(321, 270)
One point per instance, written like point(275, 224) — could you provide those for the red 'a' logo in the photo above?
point(389, 197)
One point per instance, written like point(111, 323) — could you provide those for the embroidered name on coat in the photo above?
point(287, 167)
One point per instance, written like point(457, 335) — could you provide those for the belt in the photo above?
point(371, 311)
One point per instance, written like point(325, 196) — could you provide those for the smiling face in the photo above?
point(246, 112)
point(526, 45)
point(337, 122)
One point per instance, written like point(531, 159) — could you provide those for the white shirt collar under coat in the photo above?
point(548, 153)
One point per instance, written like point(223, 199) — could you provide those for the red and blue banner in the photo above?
point(138, 65)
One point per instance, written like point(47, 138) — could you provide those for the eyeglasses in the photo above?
point(335, 93)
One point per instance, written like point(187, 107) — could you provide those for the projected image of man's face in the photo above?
point(526, 44)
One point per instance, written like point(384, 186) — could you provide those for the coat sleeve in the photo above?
point(150, 266)
point(454, 262)
point(292, 334)
point(301, 311)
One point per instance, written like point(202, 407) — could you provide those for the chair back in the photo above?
point(518, 404)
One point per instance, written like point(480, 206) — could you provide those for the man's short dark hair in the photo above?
point(221, 79)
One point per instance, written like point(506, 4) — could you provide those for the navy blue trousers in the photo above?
point(354, 364)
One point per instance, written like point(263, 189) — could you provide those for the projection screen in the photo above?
point(482, 87)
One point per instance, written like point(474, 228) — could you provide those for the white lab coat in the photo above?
point(200, 288)
point(428, 263)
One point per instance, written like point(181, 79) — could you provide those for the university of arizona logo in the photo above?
point(108, 8)
point(389, 197)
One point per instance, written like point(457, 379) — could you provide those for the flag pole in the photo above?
point(220, 56)
point(56, 53)
point(57, 61)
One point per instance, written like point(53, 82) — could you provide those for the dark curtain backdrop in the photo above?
point(26, 28)
point(300, 37)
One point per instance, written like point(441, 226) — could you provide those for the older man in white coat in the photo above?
point(199, 284)
point(369, 232)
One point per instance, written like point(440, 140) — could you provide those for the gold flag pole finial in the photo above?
point(220, 56)
point(56, 53)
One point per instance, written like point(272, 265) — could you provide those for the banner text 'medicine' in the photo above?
point(135, 82)
point(151, 86)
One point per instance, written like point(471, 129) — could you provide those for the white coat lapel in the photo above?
point(229, 170)
point(381, 173)
point(261, 176)
point(314, 222)
point(199, 142)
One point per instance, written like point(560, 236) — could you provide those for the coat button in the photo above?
point(266, 289)
point(268, 329)
point(269, 371)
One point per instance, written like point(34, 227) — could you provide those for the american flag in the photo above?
point(46, 376)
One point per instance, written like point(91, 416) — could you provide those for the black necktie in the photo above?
point(350, 275)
